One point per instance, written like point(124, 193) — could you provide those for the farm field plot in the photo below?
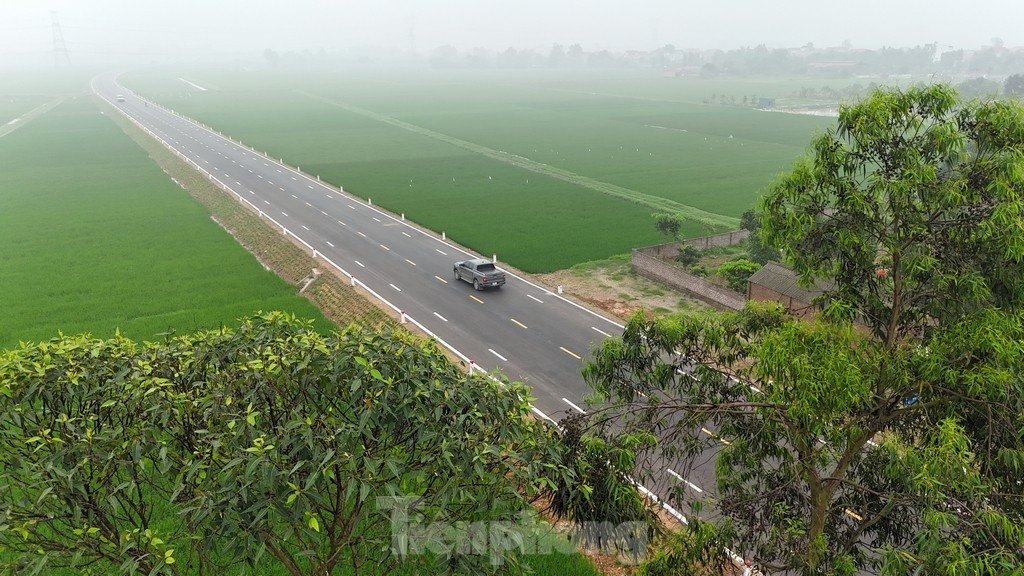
point(447, 148)
point(94, 238)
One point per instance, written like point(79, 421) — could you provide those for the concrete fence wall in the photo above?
point(671, 249)
point(724, 239)
point(666, 273)
point(650, 262)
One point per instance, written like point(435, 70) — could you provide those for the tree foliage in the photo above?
point(668, 224)
point(737, 272)
point(213, 450)
point(688, 254)
point(888, 436)
point(1014, 85)
point(748, 220)
point(920, 186)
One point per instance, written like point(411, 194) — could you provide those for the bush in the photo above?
point(698, 270)
point(688, 254)
point(737, 272)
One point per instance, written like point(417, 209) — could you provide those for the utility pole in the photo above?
point(60, 49)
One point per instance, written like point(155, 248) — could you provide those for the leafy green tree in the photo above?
point(270, 440)
point(668, 224)
point(911, 204)
point(979, 87)
point(896, 448)
point(758, 251)
point(81, 469)
point(737, 272)
point(688, 254)
point(749, 220)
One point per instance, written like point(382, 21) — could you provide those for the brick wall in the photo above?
point(671, 249)
point(660, 271)
point(649, 262)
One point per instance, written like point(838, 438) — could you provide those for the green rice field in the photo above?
point(545, 168)
point(94, 237)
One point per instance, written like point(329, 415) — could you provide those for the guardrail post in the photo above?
point(403, 216)
point(442, 236)
point(369, 201)
point(559, 288)
point(314, 253)
point(352, 281)
point(494, 258)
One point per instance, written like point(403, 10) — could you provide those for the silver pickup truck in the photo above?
point(480, 273)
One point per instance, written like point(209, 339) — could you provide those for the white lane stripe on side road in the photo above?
point(681, 479)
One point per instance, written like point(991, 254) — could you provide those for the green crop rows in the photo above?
point(545, 169)
point(94, 237)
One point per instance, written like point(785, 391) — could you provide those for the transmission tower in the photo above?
point(60, 49)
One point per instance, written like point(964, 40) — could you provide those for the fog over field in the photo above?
point(134, 31)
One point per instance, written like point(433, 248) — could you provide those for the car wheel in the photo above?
point(457, 274)
point(476, 284)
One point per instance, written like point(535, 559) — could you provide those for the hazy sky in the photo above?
point(159, 29)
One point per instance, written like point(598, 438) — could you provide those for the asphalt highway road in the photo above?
point(526, 331)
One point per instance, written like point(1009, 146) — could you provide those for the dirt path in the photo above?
point(611, 287)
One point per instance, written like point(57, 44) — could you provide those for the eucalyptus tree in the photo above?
point(886, 436)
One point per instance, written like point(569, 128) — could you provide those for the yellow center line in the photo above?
point(410, 261)
point(385, 247)
point(716, 436)
point(570, 353)
point(518, 323)
point(477, 299)
point(441, 279)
